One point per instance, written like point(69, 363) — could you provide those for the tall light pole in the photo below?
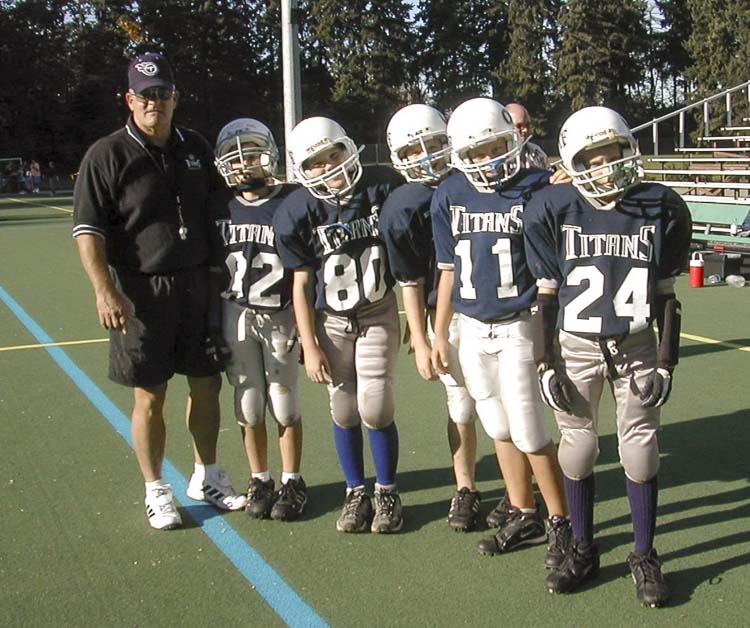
point(290, 68)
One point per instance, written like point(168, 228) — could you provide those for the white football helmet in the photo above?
point(310, 138)
point(237, 143)
point(593, 127)
point(477, 122)
point(414, 125)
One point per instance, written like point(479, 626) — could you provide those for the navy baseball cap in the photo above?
point(150, 69)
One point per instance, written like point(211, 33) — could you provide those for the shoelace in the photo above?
point(163, 508)
point(353, 502)
point(387, 502)
point(288, 492)
point(650, 568)
point(557, 533)
point(461, 499)
point(257, 489)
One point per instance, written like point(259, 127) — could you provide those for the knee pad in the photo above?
point(577, 453)
point(493, 419)
point(376, 403)
point(343, 406)
point(249, 406)
point(284, 404)
point(460, 405)
point(531, 441)
point(640, 460)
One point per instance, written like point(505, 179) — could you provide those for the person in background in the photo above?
point(532, 155)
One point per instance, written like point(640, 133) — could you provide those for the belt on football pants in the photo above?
point(610, 349)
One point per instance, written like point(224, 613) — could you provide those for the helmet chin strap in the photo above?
point(251, 185)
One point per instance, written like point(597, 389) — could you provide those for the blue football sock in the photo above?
point(349, 448)
point(384, 447)
point(643, 498)
point(580, 496)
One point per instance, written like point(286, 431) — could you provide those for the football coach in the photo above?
point(145, 240)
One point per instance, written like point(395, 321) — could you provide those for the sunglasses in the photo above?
point(153, 94)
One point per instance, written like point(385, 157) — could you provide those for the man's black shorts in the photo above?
point(166, 328)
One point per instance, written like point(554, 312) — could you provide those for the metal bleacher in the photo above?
point(714, 175)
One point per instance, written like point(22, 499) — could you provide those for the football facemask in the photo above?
point(414, 127)
point(241, 143)
point(599, 127)
point(314, 136)
point(476, 123)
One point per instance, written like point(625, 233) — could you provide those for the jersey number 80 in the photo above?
point(351, 280)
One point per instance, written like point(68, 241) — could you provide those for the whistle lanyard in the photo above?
point(169, 175)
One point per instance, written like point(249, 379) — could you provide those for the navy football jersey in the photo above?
point(340, 243)
point(406, 229)
point(607, 263)
point(258, 279)
point(480, 237)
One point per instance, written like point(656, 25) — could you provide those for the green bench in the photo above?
point(715, 226)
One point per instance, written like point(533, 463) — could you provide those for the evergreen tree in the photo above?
point(671, 55)
point(462, 42)
point(601, 58)
point(525, 74)
point(367, 46)
point(720, 48)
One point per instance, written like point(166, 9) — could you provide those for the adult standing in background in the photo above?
point(142, 227)
point(52, 181)
point(36, 175)
point(532, 155)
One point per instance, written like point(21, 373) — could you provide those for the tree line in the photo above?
point(65, 63)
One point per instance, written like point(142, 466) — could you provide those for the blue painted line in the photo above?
point(272, 587)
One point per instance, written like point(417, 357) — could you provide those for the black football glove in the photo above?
point(554, 391)
point(216, 348)
point(657, 390)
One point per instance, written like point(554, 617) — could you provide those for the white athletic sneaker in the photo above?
point(161, 510)
point(216, 489)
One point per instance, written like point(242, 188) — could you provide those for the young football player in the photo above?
point(418, 141)
point(328, 234)
point(605, 251)
point(257, 318)
point(476, 219)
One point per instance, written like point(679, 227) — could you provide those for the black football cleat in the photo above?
point(498, 516)
point(581, 563)
point(290, 501)
point(559, 539)
point(650, 586)
point(520, 529)
point(464, 510)
point(260, 498)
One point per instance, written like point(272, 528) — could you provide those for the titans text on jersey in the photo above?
point(258, 279)
point(637, 246)
point(606, 263)
point(340, 242)
point(480, 237)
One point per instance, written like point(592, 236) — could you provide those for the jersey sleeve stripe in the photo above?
point(90, 229)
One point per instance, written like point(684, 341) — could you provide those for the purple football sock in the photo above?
point(580, 497)
point(349, 448)
point(643, 499)
point(384, 447)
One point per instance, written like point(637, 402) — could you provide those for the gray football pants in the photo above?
point(361, 352)
point(633, 360)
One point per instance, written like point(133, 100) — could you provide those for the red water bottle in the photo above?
point(696, 270)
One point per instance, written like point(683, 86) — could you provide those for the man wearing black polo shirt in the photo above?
point(145, 241)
